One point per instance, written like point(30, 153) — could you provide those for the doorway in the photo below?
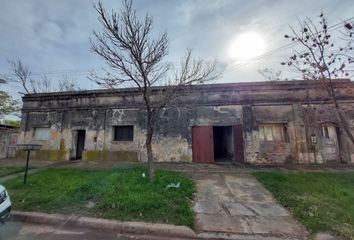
point(223, 144)
point(80, 143)
point(217, 144)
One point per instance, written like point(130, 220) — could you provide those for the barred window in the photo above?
point(123, 133)
point(273, 132)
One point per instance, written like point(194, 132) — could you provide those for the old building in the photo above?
point(263, 122)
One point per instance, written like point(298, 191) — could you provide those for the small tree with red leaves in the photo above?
point(318, 57)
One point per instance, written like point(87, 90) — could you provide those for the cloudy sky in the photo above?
point(52, 37)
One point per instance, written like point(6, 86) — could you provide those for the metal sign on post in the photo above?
point(28, 148)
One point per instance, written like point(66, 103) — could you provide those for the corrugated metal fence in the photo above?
point(8, 141)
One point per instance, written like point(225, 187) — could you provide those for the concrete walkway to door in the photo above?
point(237, 206)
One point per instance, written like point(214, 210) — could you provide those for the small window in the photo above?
point(273, 132)
point(41, 134)
point(325, 131)
point(329, 131)
point(123, 133)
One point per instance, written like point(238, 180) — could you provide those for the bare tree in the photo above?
point(65, 84)
point(269, 74)
point(136, 58)
point(23, 77)
point(318, 58)
point(22, 74)
point(43, 85)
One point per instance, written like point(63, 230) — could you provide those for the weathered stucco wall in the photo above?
point(259, 151)
point(302, 122)
point(172, 140)
point(249, 105)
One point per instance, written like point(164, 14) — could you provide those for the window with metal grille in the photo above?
point(123, 133)
point(273, 132)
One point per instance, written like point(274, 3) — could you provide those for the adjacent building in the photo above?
point(8, 140)
point(256, 123)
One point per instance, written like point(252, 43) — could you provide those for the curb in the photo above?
point(142, 229)
point(138, 228)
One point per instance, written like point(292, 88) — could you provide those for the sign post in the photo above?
point(28, 148)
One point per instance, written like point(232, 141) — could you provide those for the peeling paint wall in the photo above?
point(98, 112)
point(298, 148)
point(269, 152)
point(172, 140)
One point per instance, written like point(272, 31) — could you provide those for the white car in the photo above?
point(5, 204)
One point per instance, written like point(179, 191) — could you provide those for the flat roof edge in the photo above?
point(241, 85)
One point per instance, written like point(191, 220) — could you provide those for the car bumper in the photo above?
point(5, 209)
point(5, 214)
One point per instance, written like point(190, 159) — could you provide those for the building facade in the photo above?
point(256, 123)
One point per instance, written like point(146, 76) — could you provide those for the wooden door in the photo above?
point(238, 144)
point(202, 144)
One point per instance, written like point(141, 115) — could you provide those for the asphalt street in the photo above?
point(27, 231)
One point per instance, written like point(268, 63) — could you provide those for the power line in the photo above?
point(279, 49)
point(78, 72)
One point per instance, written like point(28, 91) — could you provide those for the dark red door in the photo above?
point(238, 144)
point(202, 144)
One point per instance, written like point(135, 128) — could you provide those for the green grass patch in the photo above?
point(4, 171)
point(122, 194)
point(320, 201)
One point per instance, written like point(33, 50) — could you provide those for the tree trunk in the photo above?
point(331, 91)
point(150, 157)
point(148, 143)
point(342, 119)
point(345, 125)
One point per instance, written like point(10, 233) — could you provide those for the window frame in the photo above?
point(115, 128)
point(35, 136)
point(325, 130)
point(267, 132)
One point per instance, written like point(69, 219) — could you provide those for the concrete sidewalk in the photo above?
point(239, 204)
point(34, 166)
point(209, 168)
point(183, 167)
point(15, 162)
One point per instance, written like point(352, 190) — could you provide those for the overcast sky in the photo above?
point(52, 37)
